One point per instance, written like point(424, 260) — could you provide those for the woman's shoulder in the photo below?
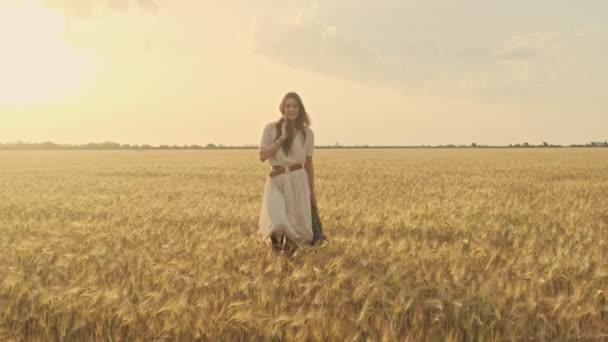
point(270, 126)
point(309, 130)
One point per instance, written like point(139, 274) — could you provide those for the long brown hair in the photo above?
point(301, 121)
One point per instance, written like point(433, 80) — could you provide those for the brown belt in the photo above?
point(279, 169)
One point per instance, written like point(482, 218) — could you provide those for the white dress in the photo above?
point(286, 207)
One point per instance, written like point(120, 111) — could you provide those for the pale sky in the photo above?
point(389, 72)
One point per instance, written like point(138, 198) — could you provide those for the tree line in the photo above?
point(116, 146)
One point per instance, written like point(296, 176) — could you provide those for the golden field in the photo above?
point(437, 245)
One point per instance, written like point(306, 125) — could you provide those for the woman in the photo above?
point(289, 193)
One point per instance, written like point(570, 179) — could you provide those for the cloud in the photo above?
point(148, 6)
point(90, 8)
point(297, 38)
point(77, 13)
point(536, 63)
point(556, 44)
point(299, 34)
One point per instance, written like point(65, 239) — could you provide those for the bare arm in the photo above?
point(270, 150)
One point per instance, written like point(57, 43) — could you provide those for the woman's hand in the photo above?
point(284, 129)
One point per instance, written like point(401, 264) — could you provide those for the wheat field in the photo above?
point(425, 245)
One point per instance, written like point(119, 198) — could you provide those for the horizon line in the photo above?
point(48, 145)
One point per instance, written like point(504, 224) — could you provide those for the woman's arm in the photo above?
point(311, 180)
point(270, 150)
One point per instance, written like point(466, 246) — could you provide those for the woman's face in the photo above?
point(291, 108)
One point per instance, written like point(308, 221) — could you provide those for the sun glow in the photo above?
point(38, 62)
